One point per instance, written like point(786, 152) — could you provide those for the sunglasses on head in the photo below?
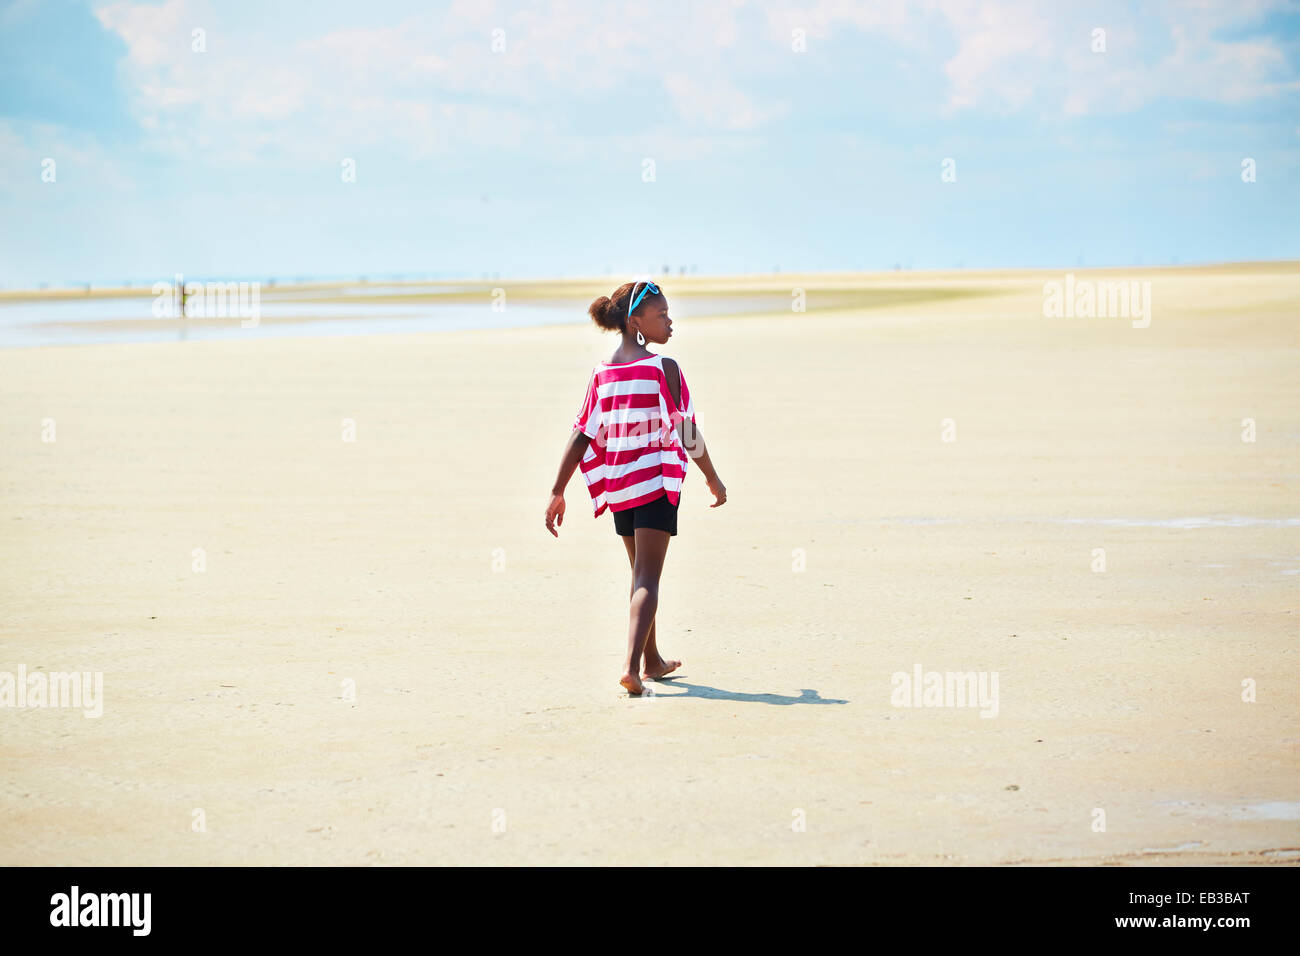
point(649, 287)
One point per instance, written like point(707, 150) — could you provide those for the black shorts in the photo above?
point(660, 514)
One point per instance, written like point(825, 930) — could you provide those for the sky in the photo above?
point(140, 140)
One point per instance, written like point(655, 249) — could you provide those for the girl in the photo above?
point(632, 436)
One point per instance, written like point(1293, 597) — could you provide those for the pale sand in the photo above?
point(489, 695)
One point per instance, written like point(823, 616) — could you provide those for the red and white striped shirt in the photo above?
point(636, 454)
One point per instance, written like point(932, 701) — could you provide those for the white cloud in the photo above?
point(426, 83)
point(1012, 55)
point(719, 104)
point(431, 83)
point(150, 32)
point(1004, 48)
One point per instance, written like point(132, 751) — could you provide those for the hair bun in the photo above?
point(599, 311)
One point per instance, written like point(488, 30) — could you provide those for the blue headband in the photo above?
point(649, 287)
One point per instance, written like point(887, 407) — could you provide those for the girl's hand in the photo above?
point(555, 514)
point(718, 490)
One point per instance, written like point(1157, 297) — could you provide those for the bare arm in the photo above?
point(574, 449)
point(693, 439)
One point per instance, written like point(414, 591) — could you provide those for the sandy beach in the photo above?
point(386, 659)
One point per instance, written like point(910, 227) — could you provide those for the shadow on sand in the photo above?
point(658, 688)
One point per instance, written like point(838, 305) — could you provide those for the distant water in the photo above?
point(27, 324)
point(1196, 521)
point(96, 320)
point(1277, 810)
point(1193, 521)
point(1265, 810)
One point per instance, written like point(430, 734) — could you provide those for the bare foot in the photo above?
point(660, 668)
point(633, 684)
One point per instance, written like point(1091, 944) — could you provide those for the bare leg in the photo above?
point(655, 665)
point(651, 549)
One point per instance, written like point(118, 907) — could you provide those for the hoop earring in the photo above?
point(640, 339)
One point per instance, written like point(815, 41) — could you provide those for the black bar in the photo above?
point(949, 905)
